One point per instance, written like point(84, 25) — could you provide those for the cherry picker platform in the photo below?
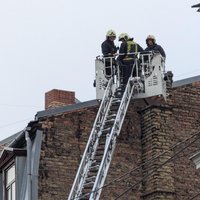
point(147, 82)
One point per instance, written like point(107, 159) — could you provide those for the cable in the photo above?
point(25, 106)
point(136, 168)
point(195, 196)
point(6, 125)
point(132, 170)
point(130, 188)
point(190, 72)
point(149, 161)
point(152, 159)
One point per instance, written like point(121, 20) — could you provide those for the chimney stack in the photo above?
point(57, 98)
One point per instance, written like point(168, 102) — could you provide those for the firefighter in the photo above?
point(152, 46)
point(109, 50)
point(127, 53)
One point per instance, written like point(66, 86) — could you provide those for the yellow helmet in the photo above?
point(111, 33)
point(124, 36)
point(151, 37)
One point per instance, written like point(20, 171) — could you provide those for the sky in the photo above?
point(52, 44)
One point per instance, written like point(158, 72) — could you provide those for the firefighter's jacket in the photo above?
point(108, 48)
point(156, 47)
point(128, 50)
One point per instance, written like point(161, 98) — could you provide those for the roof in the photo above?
point(17, 140)
point(186, 81)
point(9, 139)
point(68, 108)
point(74, 107)
point(86, 104)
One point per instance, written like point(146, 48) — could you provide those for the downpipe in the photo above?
point(29, 145)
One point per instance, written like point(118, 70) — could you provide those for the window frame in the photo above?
point(8, 158)
point(11, 183)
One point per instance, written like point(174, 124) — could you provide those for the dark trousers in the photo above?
point(127, 69)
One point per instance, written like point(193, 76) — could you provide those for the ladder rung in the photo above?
point(102, 143)
point(118, 99)
point(110, 120)
point(99, 155)
point(91, 167)
point(92, 173)
point(110, 123)
point(100, 149)
point(112, 112)
point(84, 196)
point(106, 129)
point(90, 178)
point(112, 116)
point(87, 187)
point(88, 183)
point(93, 170)
point(114, 109)
point(116, 102)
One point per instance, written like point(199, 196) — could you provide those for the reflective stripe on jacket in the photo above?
point(132, 47)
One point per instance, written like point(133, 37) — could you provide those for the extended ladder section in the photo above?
point(98, 153)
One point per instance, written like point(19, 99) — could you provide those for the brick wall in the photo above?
point(158, 180)
point(63, 144)
point(186, 122)
point(127, 156)
point(147, 132)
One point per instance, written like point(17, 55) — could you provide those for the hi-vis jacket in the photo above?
point(128, 49)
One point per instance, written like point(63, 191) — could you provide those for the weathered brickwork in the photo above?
point(156, 140)
point(57, 98)
point(127, 156)
point(186, 123)
point(148, 131)
point(63, 143)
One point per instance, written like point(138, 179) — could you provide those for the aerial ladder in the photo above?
point(148, 81)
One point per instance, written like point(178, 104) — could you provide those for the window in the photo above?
point(10, 183)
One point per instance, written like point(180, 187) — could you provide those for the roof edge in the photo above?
point(68, 108)
point(186, 81)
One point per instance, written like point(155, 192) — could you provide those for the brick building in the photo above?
point(151, 159)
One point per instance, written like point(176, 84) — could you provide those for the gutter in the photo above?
point(17, 139)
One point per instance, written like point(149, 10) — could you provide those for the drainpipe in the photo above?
point(29, 144)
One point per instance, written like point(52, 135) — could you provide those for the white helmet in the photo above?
point(124, 36)
point(151, 37)
point(111, 33)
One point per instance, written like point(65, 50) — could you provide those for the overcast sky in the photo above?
point(52, 44)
